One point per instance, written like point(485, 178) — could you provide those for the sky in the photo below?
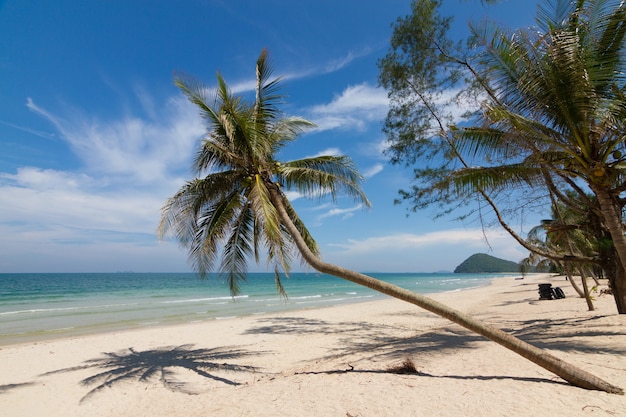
point(94, 136)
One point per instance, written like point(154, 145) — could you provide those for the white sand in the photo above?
point(332, 362)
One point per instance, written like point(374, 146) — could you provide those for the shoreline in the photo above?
point(331, 361)
point(276, 307)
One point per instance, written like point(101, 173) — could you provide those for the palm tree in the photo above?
point(555, 115)
point(237, 206)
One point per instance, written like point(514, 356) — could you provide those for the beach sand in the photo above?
point(331, 362)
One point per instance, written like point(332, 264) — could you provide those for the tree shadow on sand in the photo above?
point(301, 325)
point(417, 373)
point(572, 334)
point(374, 341)
point(163, 364)
point(564, 334)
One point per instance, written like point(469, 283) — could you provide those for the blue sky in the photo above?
point(94, 137)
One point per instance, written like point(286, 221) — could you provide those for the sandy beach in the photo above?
point(336, 361)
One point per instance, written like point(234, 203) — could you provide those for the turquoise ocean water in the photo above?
point(42, 306)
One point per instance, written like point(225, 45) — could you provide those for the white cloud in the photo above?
point(109, 207)
point(53, 248)
point(355, 107)
point(46, 179)
point(243, 86)
point(327, 152)
point(293, 195)
point(75, 202)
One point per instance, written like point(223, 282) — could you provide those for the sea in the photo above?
point(44, 306)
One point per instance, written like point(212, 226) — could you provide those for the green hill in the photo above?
point(483, 263)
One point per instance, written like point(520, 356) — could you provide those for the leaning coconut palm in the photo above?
point(237, 206)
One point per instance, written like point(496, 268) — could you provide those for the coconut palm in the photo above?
point(552, 103)
point(237, 207)
point(555, 114)
point(231, 211)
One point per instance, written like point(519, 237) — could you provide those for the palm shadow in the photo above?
point(9, 387)
point(163, 364)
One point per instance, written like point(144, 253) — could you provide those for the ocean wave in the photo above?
point(60, 329)
point(51, 310)
point(306, 297)
point(197, 300)
point(439, 281)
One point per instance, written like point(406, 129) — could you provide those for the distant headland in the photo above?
point(483, 263)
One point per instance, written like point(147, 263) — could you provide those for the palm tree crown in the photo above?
point(226, 211)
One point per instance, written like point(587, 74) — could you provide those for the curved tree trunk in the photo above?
point(570, 278)
point(568, 372)
point(583, 278)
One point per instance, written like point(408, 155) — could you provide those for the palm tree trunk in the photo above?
point(613, 220)
point(568, 372)
point(618, 286)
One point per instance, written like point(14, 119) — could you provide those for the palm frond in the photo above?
point(555, 14)
point(199, 95)
point(181, 211)
point(238, 248)
point(287, 129)
point(279, 284)
point(324, 175)
point(469, 181)
point(266, 91)
point(212, 228)
point(265, 211)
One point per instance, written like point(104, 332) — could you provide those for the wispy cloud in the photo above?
point(131, 148)
point(328, 67)
point(405, 252)
point(42, 134)
point(407, 241)
point(338, 64)
point(344, 213)
point(373, 170)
